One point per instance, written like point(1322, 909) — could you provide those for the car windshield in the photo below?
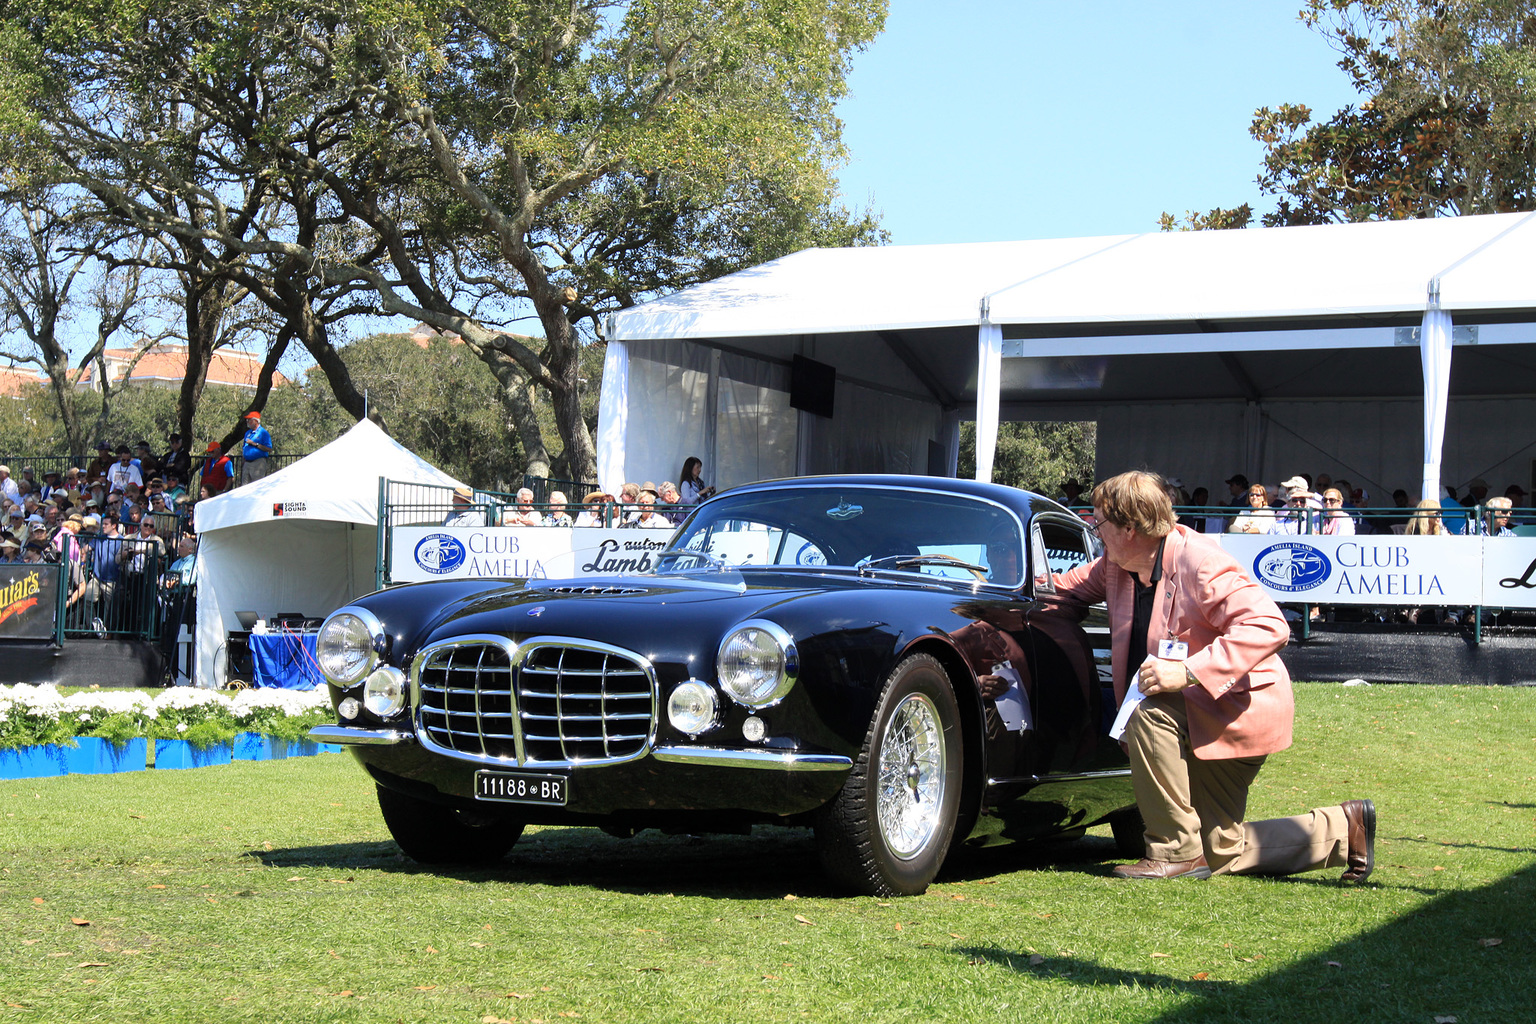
point(872, 529)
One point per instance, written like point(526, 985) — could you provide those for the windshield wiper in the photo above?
point(867, 565)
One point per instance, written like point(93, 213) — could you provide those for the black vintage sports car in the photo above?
point(879, 657)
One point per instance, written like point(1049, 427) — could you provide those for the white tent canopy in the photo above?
point(301, 540)
point(1260, 351)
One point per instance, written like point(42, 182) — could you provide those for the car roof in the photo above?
point(1025, 503)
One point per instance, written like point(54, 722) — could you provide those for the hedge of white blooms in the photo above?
point(33, 715)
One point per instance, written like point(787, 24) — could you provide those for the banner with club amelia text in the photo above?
point(29, 598)
point(419, 553)
point(1375, 570)
point(1387, 570)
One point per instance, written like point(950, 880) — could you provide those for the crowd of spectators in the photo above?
point(641, 506)
point(1306, 504)
point(123, 525)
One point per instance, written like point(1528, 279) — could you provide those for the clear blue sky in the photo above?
point(984, 120)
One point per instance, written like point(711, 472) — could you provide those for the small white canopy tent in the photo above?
point(301, 540)
point(1263, 351)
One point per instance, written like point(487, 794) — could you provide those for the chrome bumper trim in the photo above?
point(360, 737)
point(722, 757)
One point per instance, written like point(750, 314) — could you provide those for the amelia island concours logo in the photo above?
point(1292, 567)
point(439, 553)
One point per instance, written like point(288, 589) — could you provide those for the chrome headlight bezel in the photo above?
point(366, 634)
point(775, 675)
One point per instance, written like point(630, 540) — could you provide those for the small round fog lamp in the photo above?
point(691, 708)
point(752, 729)
point(384, 692)
point(348, 708)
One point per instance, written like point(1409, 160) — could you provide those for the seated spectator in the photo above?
point(670, 503)
point(174, 486)
point(1202, 520)
point(1259, 517)
point(629, 501)
point(8, 487)
point(50, 481)
point(1237, 493)
point(1300, 515)
point(648, 518)
point(1426, 521)
point(463, 512)
point(556, 514)
point(594, 505)
point(1496, 521)
point(523, 514)
point(1336, 522)
point(10, 550)
point(1477, 493)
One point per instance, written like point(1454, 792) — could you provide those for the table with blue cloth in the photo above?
point(285, 659)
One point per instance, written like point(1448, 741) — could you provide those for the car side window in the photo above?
point(1040, 561)
point(1066, 544)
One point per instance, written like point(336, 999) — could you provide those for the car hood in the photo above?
point(660, 616)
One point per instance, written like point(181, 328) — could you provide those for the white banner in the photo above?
point(1376, 569)
point(420, 553)
point(1509, 572)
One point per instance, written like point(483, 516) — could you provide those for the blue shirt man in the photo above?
point(255, 449)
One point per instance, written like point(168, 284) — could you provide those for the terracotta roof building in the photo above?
point(14, 378)
point(166, 366)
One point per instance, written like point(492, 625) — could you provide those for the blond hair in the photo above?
point(1425, 522)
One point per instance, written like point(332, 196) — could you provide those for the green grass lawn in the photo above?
point(271, 892)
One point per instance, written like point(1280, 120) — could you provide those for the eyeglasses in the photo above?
point(1333, 501)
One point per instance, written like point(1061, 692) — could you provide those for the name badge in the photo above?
point(1172, 650)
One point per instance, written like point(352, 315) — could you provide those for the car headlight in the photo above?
point(691, 709)
point(347, 647)
point(384, 692)
point(757, 663)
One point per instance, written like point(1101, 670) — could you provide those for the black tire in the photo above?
point(431, 833)
point(1128, 830)
point(896, 847)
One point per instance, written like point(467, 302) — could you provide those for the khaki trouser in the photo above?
point(1193, 806)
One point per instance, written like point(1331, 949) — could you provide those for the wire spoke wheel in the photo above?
point(911, 793)
point(888, 830)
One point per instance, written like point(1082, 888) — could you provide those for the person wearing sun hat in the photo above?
point(255, 450)
point(464, 513)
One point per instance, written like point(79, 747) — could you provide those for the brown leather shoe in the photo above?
point(1146, 868)
point(1361, 815)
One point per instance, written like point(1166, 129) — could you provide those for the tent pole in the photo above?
point(989, 372)
point(1435, 358)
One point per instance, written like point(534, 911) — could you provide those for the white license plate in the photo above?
point(522, 787)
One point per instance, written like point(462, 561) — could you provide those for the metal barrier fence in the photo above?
point(42, 464)
point(114, 590)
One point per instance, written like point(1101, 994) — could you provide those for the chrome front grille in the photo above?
point(548, 701)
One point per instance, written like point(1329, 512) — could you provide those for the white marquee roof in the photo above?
point(1268, 275)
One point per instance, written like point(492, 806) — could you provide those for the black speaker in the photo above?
point(812, 386)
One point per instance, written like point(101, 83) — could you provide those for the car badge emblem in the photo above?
point(537, 611)
point(845, 510)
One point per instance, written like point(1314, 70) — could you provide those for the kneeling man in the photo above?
point(1200, 639)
